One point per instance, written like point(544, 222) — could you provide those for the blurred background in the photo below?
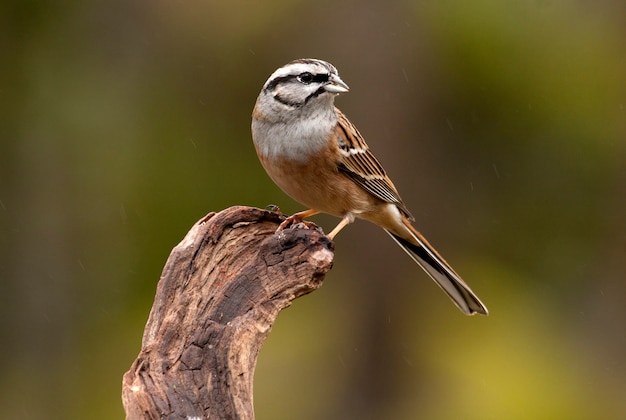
point(502, 123)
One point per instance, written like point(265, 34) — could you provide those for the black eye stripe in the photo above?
point(271, 85)
point(314, 78)
point(308, 78)
point(320, 78)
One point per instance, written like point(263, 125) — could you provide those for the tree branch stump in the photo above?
point(220, 292)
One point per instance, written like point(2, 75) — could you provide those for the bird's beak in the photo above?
point(336, 85)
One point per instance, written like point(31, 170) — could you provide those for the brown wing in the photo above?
point(361, 165)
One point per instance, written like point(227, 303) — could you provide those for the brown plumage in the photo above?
point(318, 157)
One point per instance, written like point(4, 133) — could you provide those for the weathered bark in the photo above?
point(219, 295)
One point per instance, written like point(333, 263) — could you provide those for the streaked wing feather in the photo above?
point(361, 165)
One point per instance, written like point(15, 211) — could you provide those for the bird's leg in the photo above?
point(347, 219)
point(296, 218)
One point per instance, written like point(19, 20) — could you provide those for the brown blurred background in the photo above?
point(502, 123)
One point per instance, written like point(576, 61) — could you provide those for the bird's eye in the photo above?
point(305, 78)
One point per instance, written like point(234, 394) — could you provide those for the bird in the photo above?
point(310, 149)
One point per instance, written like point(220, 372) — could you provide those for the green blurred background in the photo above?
point(502, 123)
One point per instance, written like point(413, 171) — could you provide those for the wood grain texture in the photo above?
point(218, 297)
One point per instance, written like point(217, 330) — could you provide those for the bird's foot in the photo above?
point(296, 221)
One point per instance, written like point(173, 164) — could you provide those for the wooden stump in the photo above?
point(218, 297)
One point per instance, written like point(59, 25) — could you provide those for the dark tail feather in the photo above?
point(450, 282)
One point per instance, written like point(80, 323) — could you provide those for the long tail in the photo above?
point(438, 269)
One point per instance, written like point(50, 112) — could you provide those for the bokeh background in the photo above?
point(503, 124)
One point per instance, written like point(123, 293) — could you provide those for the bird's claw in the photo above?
point(296, 222)
point(274, 209)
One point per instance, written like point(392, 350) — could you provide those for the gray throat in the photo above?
point(292, 133)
